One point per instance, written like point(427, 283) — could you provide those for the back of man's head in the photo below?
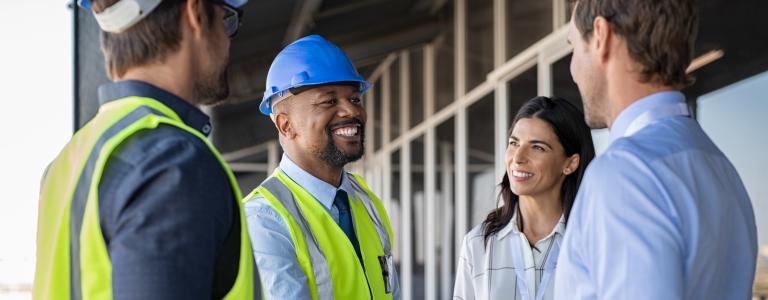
point(659, 34)
point(150, 40)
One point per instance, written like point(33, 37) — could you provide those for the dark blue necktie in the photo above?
point(345, 220)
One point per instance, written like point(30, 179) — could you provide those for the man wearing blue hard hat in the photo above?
point(139, 205)
point(318, 231)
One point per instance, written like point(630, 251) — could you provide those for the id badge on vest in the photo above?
point(388, 272)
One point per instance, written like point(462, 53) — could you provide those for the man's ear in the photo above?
point(602, 37)
point(283, 125)
point(193, 14)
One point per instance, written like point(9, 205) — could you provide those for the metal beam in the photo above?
point(344, 9)
point(301, 19)
point(245, 152)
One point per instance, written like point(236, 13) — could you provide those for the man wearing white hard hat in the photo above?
point(318, 231)
point(139, 205)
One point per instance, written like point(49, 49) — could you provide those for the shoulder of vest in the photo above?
point(258, 192)
point(359, 179)
point(163, 138)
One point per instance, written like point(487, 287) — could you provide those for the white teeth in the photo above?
point(346, 131)
point(521, 174)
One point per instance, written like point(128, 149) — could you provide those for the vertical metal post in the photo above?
point(405, 91)
point(500, 32)
point(429, 81)
point(559, 13)
point(459, 43)
point(407, 230)
point(386, 187)
point(370, 126)
point(386, 156)
point(446, 173)
point(544, 76)
point(500, 129)
point(430, 251)
point(462, 203)
point(461, 122)
point(406, 197)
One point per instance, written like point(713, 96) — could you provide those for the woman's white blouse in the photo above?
point(484, 274)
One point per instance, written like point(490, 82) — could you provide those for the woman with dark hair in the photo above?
point(513, 253)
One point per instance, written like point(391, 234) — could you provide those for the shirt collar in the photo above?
point(512, 227)
point(647, 109)
point(324, 192)
point(189, 114)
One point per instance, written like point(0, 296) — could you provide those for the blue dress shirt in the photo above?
point(661, 214)
point(281, 274)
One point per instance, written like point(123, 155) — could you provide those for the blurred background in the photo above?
point(449, 76)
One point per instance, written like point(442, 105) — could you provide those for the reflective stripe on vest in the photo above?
point(72, 258)
point(332, 267)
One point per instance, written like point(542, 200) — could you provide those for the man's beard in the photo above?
point(333, 156)
point(594, 101)
point(212, 90)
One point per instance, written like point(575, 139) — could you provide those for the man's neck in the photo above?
point(171, 77)
point(626, 91)
point(319, 169)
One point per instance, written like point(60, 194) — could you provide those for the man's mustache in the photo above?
point(352, 121)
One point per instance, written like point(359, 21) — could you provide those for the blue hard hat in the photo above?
point(86, 4)
point(311, 60)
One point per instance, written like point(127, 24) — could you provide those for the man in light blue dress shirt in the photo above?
point(315, 103)
point(662, 213)
point(275, 254)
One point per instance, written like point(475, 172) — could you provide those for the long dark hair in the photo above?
point(572, 132)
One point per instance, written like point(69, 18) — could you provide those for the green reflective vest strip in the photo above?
point(69, 200)
point(319, 251)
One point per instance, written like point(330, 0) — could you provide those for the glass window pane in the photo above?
point(444, 76)
point(480, 160)
point(527, 22)
point(520, 89)
point(417, 86)
point(479, 46)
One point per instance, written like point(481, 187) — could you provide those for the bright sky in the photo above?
point(36, 81)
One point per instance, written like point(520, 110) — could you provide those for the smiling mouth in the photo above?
point(347, 130)
point(521, 175)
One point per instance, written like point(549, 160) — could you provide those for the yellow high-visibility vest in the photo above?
point(323, 250)
point(72, 257)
